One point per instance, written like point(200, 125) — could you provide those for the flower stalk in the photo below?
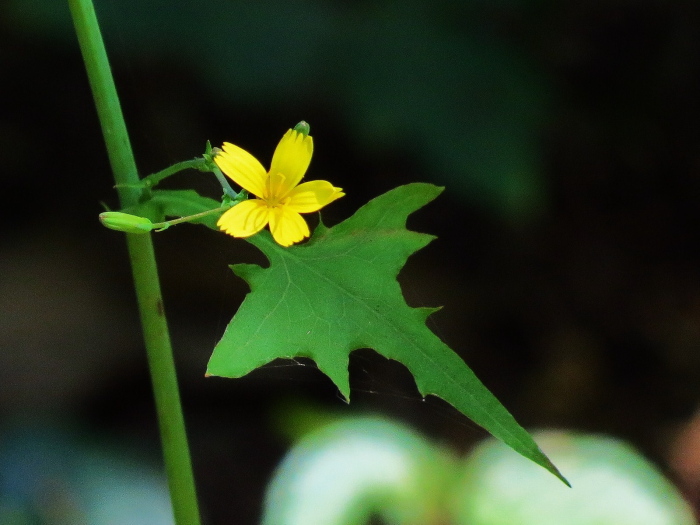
point(145, 274)
point(127, 223)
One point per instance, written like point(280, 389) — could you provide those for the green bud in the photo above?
point(123, 222)
point(303, 128)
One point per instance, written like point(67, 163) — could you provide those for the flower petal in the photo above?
point(312, 196)
point(245, 219)
point(287, 226)
point(242, 168)
point(292, 158)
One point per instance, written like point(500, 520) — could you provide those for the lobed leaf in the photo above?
point(338, 293)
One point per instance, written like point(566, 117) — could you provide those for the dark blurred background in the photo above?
point(567, 262)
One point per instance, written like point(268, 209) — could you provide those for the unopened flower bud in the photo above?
point(123, 222)
point(303, 128)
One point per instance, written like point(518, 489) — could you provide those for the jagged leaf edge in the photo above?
point(520, 440)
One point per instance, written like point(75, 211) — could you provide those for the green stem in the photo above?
point(154, 178)
point(228, 190)
point(160, 226)
point(155, 330)
point(200, 164)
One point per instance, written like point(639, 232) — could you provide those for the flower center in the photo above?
point(275, 202)
point(275, 194)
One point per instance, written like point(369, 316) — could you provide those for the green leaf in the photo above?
point(338, 293)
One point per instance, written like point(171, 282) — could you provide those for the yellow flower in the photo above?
point(279, 196)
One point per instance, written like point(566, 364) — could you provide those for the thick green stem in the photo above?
point(157, 340)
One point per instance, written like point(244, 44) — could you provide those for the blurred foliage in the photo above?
point(54, 475)
point(344, 471)
point(350, 470)
point(612, 484)
point(424, 79)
